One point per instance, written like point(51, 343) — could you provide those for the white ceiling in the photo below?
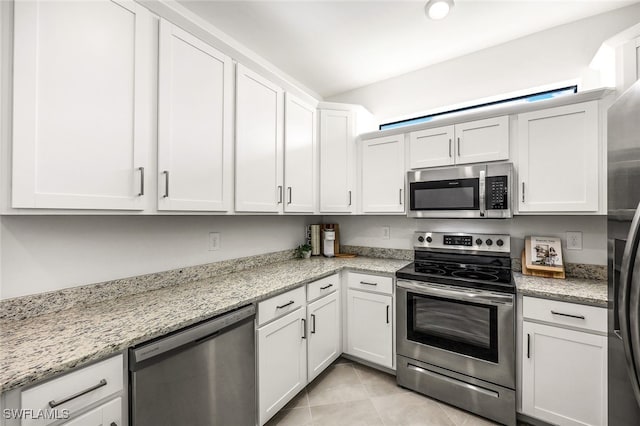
point(335, 46)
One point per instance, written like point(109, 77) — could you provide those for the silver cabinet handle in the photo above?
point(141, 193)
point(101, 383)
point(313, 324)
point(166, 184)
point(279, 194)
point(349, 197)
point(326, 287)
point(567, 315)
point(290, 302)
point(304, 328)
point(458, 147)
point(290, 196)
point(523, 192)
point(449, 147)
point(367, 283)
point(400, 196)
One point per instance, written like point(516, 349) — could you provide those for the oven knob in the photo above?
point(500, 243)
point(478, 242)
point(421, 239)
point(489, 242)
point(429, 239)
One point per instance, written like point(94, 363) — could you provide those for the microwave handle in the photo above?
point(482, 191)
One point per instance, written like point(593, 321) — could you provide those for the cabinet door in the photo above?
point(282, 362)
point(564, 375)
point(369, 327)
point(482, 140)
point(82, 104)
point(431, 147)
point(383, 175)
point(323, 317)
point(105, 415)
point(194, 125)
point(259, 144)
point(300, 169)
point(558, 159)
point(337, 149)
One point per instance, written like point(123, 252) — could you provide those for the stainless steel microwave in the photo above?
point(471, 191)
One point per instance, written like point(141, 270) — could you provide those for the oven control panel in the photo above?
point(494, 243)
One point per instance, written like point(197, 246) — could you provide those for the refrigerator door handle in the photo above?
point(624, 303)
point(634, 327)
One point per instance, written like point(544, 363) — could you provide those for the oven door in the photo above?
point(469, 331)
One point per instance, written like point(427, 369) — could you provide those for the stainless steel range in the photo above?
point(456, 323)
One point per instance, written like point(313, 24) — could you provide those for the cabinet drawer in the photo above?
point(371, 282)
point(281, 304)
point(107, 374)
point(563, 313)
point(323, 286)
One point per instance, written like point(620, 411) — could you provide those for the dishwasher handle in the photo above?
point(189, 335)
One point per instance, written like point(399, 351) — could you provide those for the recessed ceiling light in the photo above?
point(438, 9)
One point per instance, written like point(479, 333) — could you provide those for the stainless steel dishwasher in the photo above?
point(203, 375)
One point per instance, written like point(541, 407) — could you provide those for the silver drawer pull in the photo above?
point(326, 287)
point(366, 283)
point(54, 404)
point(285, 305)
point(567, 315)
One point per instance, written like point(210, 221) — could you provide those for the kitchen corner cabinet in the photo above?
point(337, 161)
point(558, 166)
point(564, 363)
point(464, 143)
point(259, 143)
point(82, 104)
point(383, 175)
point(195, 124)
point(300, 156)
point(370, 318)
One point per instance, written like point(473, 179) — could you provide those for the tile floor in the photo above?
point(350, 394)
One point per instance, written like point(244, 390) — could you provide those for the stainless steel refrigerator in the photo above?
point(623, 226)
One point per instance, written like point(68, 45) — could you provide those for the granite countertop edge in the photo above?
point(37, 372)
point(221, 294)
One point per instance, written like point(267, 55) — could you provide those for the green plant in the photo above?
point(302, 249)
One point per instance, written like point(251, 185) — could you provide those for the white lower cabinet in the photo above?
point(323, 318)
point(564, 371)
point(109, 414)
point(282, 362)
point(370, 320)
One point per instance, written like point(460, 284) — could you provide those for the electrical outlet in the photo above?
point(574, 240)
point(386, 232)
point(214, 241)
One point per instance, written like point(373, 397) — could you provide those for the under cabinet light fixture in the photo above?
point(438, 9)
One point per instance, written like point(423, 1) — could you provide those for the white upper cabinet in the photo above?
point(431, 147)
point(259, 143)
point(337, 161)
point(194, 124)
point(471, 142)
point(82, 104)
point(558, 166)
point(482, 140)
point(383, 174)
point(300, 158)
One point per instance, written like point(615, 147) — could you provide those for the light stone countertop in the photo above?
point(40, 347)
point(574, 290)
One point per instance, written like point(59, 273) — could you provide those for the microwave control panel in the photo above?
point(497, 193)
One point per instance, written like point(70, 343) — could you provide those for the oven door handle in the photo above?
point(470, 296)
